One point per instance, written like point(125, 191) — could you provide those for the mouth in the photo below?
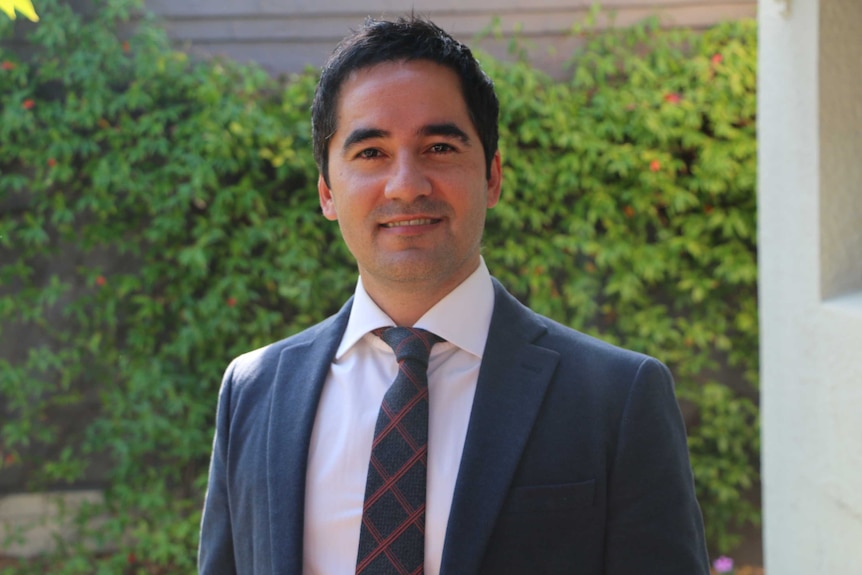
point(411, 223)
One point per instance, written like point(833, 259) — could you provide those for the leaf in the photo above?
point(25, 7)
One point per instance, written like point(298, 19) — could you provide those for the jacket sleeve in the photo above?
point(216, 550)
point(654, 521)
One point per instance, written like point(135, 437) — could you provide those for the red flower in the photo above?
point(100, 281)
point(629, 211)
point(655, 166)
point(28, 104)
point(131, 558)
point(126, 47)
point(10, 459)
point(7, 65)
point(717, 58)
point(231, 301)
point(707, 209)
point(672, 98)
point(52, 162)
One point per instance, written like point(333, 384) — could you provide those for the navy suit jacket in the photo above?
point(575, 459)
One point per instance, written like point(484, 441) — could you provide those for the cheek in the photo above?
point(470, 200)
point(356, 186)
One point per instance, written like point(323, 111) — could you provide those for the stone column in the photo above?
point(810, 257)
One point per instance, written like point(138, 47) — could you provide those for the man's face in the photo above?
point(407, 178)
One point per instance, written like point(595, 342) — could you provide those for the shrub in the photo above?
point(160, 216)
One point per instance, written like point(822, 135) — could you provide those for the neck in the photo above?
point(404, 306)
point(406, 302)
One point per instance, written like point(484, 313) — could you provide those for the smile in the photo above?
point(416, 222)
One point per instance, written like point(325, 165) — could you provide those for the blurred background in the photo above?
point(681, 179)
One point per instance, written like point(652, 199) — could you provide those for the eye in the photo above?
point(368, 154)
point(441, 148)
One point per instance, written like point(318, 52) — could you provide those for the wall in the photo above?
point(810, 134)
point(287, 36)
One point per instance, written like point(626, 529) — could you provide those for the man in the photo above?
point(547, 451)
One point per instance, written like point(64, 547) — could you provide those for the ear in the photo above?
point(327, 203)
point(495, 181)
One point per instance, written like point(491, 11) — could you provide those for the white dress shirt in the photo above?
point(363, 369)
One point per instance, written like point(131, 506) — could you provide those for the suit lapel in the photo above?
point(301, 373)
point(509, 392)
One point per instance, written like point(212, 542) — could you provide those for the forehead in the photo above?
point(390, 88)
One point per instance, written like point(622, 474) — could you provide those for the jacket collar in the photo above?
point(512, 382)
point(299, 380)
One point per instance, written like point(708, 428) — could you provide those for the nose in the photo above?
point(407, 181)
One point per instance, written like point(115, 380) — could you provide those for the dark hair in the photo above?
point(407, 38)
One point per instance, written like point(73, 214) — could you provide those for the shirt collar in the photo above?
point(461, 318)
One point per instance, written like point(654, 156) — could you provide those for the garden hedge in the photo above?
point(160, 216)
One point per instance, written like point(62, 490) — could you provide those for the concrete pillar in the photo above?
point(810, 257)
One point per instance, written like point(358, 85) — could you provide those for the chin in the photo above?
point(431, 271)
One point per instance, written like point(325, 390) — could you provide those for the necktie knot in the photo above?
point(409, 343)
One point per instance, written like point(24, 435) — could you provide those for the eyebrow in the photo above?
point(360, 135)
point(446, 129)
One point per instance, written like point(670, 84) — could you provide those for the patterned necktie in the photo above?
point(392, 536)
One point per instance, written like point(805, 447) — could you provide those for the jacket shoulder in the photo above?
point(261, 364)
point(569, 343)
point(568, 340)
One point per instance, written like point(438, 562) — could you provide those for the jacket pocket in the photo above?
point(557, 497)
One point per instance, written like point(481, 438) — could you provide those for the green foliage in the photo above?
point(160, 216)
